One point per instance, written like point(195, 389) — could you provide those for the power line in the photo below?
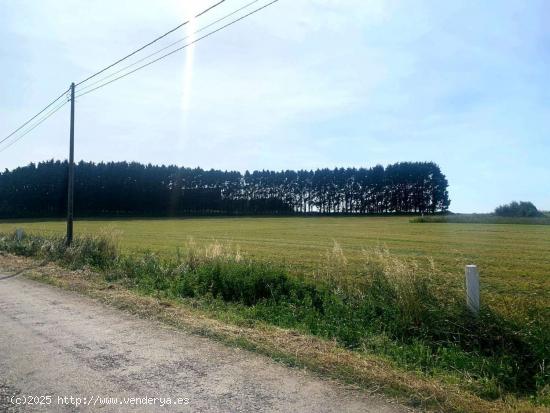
point(55, 109)
point(43, 119)
point(34, 117)
point(95, 74)
point(179, 48)
point(148, 44)
point(167, 47)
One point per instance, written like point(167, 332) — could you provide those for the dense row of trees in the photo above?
point(135, 189)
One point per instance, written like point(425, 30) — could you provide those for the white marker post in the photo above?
point(472, 288)
point(19, 234)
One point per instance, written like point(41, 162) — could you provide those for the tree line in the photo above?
point(518, 209)
point(129, 188)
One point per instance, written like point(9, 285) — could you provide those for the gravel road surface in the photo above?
point(60, 344)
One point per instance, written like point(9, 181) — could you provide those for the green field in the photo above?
point(514, 260)
point(334, 286)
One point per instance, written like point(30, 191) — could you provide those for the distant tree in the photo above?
point(518, 209)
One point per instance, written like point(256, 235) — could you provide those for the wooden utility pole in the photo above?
point(70, 183)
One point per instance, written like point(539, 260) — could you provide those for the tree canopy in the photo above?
point(518, 209)
point(123, 188)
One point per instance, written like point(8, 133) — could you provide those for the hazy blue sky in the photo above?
point(302, 84)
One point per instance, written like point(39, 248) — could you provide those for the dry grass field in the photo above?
point(513, 259)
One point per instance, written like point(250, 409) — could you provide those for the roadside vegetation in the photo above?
point(401, 310)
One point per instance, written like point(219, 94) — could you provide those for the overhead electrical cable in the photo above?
point(179, 48)
point(148, 44)
point(34, 117)
point(106, 68)
point(50, 112)
point(43, 119)
point(90, 85)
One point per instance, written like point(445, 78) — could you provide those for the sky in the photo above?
point(302, 84)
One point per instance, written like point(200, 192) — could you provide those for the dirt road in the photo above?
point(60, 344)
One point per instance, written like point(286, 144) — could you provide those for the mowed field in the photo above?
point(514, 260)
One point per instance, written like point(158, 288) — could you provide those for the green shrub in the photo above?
point(521, 209)
point(482, 219)
point(94, 251)
point(242, 282)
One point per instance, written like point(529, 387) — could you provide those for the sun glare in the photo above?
point(190, 10)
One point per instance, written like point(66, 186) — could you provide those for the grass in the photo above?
point(402, 310)
point(514, 260)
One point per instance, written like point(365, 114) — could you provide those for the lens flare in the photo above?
point(188, 67)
